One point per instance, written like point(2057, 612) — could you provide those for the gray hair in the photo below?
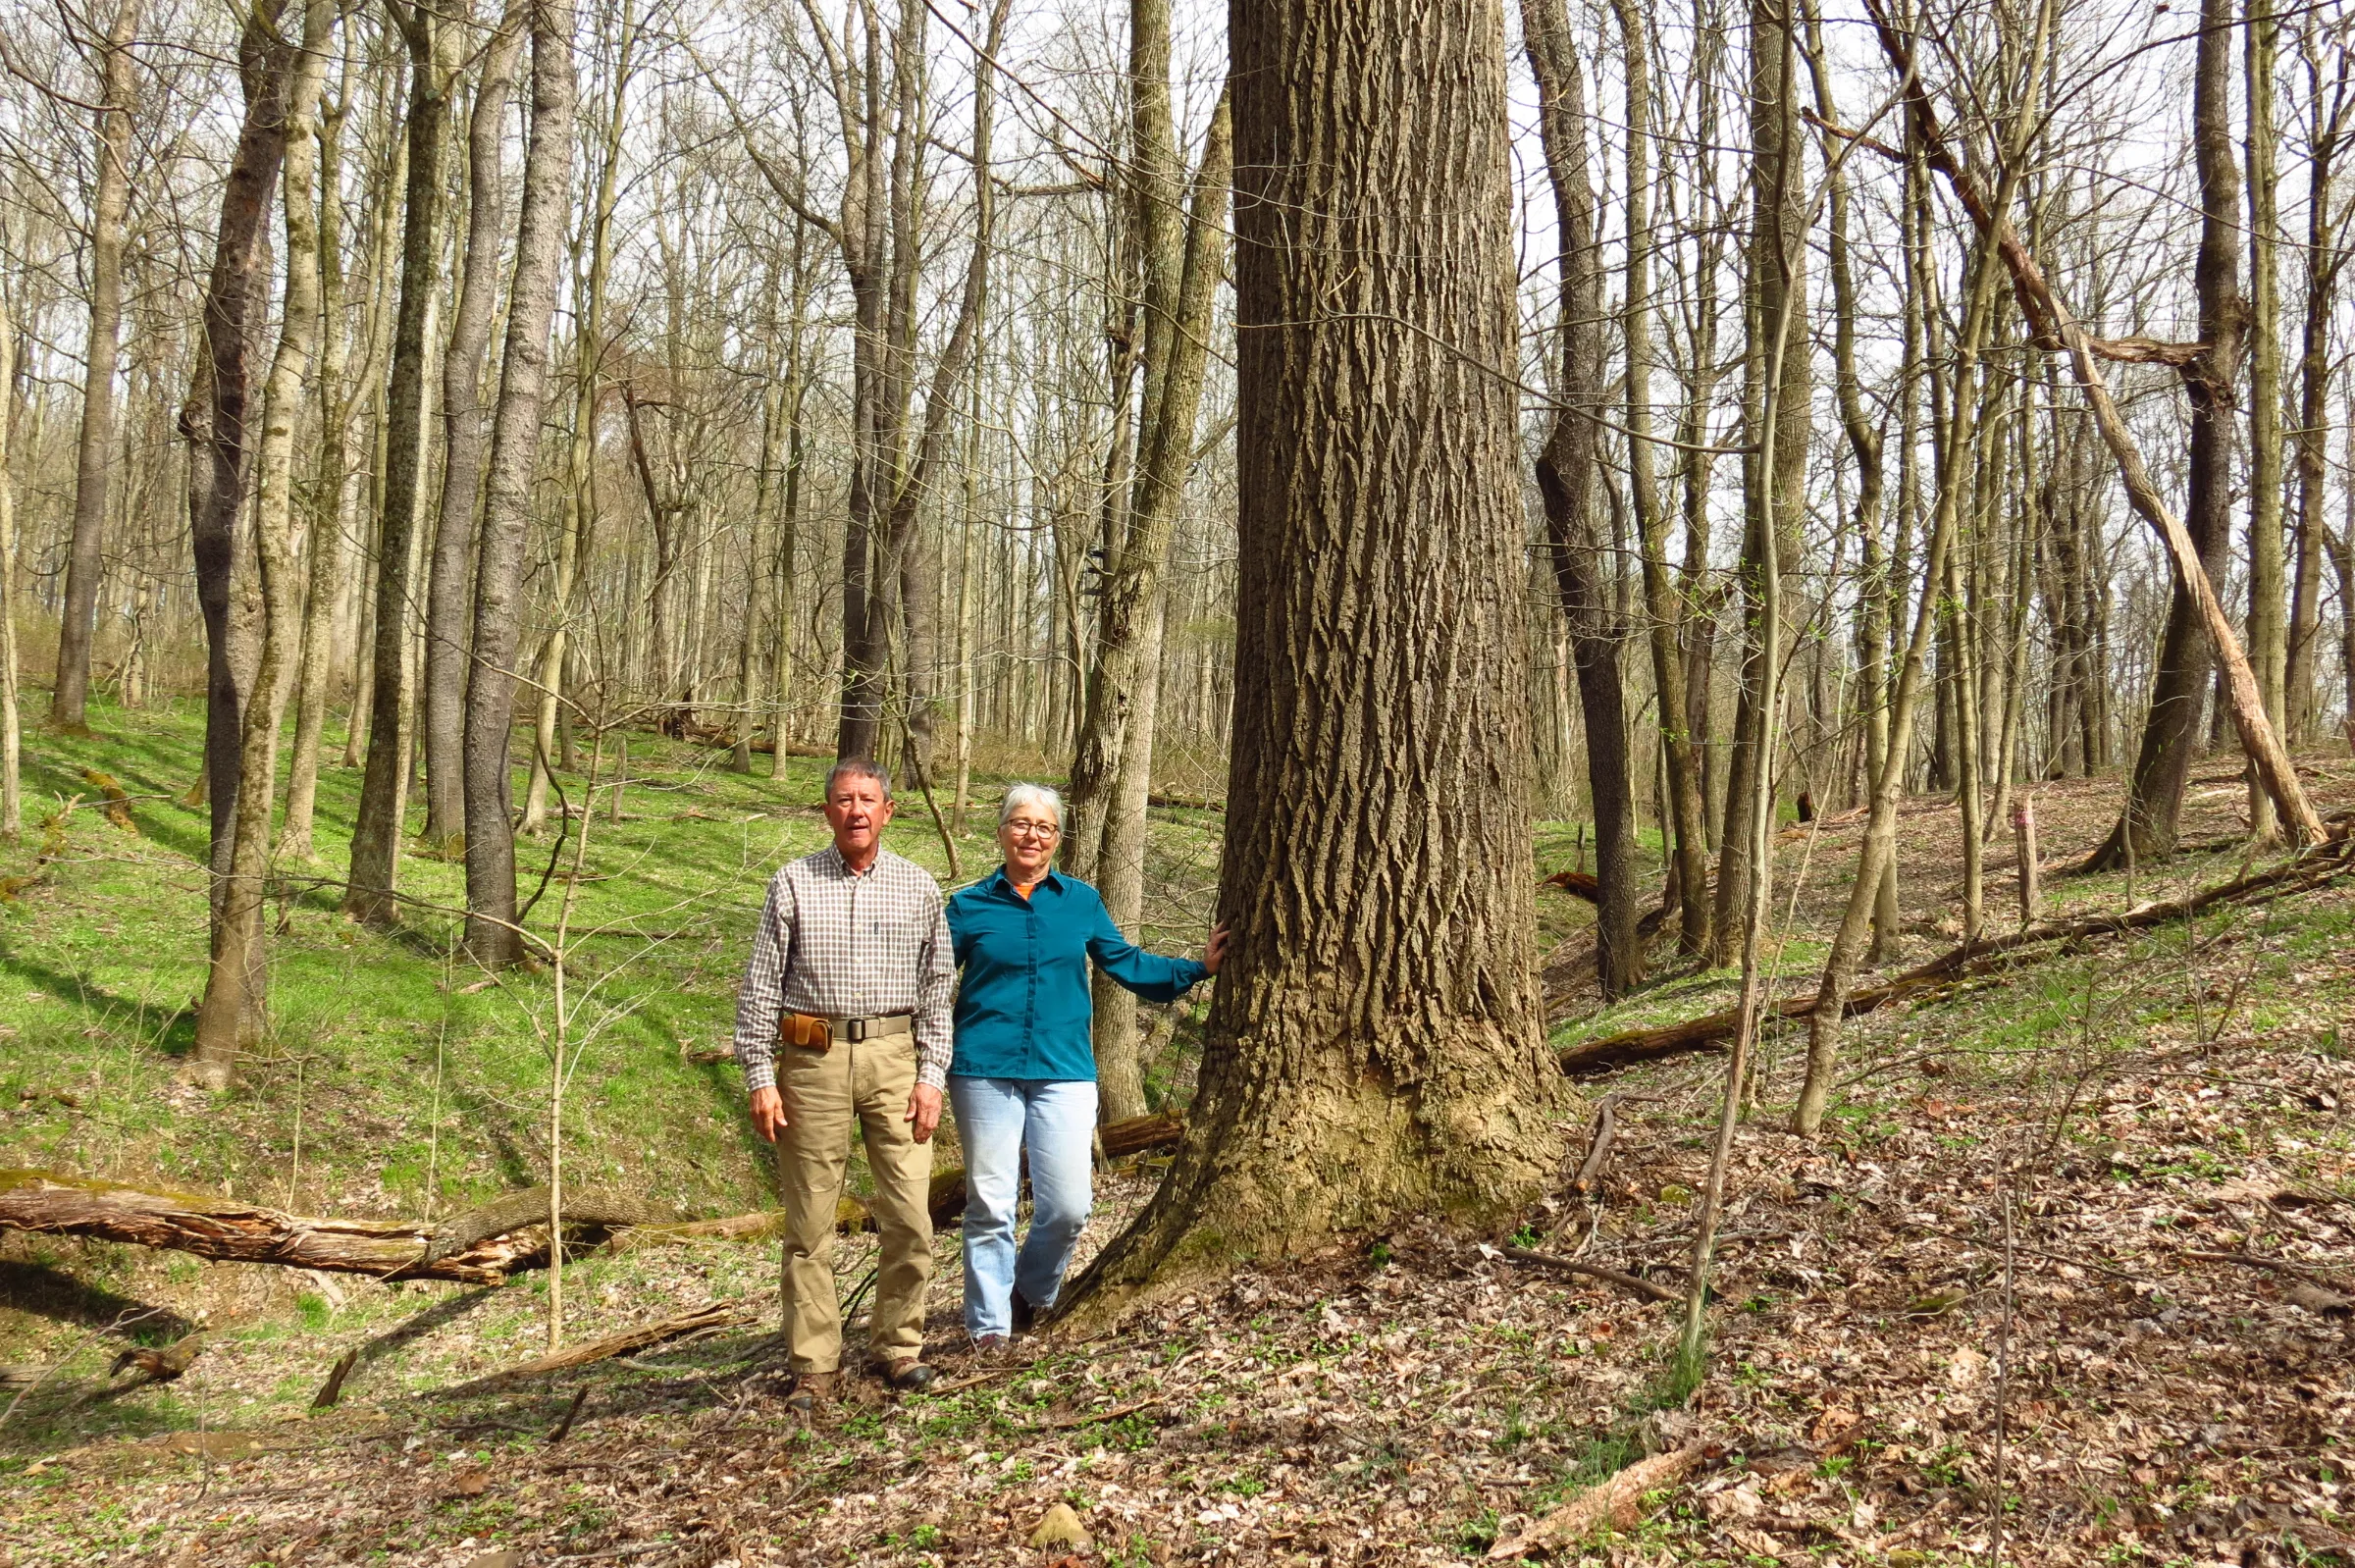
point(1030, 794)
point(858, 767)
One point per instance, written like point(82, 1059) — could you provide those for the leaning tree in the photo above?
point(1375, 1046)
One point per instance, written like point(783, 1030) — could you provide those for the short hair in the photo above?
point(1030, 794)
point(858, 767)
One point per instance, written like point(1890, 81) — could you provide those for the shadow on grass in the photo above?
point(48, 1291)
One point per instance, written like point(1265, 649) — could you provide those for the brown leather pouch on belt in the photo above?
point(809, 1031)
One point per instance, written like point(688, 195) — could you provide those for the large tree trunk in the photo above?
point(446, 597)
point(383, 787)
point(491, 936)
point(230, 1019)
point(214, 417)
point(85, 557)
point(1375, 1046)
point(1566, 481)
point(2170, 733)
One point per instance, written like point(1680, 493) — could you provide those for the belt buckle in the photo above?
point(858, 1031)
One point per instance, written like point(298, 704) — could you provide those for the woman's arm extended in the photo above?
point(1154, 976)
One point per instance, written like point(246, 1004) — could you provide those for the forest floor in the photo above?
point(2075, 1253)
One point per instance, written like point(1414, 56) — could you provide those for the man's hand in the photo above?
point(1216, 954)
point(923, 1109)
point(769, 1112)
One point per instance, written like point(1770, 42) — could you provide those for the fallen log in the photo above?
point(1616, 1501)
point(1966, 962)
point(510, 1211)
point(1582, 884)
point(227, 1230)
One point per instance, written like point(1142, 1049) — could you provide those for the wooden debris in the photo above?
point(510, 1211)
point(1614, 1502)
point(333, 1389)
point(227, 1230)
point(712, 1314)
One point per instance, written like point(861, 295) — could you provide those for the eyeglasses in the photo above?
point(1038, 830)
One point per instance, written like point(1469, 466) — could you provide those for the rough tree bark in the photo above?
point(446, 600)
point(1566, 481)
point(1375, 1041)
point(383, 787)
point(84, 559)
point(230, 1019)
point(491, 937)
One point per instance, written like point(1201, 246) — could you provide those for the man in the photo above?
point(843, 1016)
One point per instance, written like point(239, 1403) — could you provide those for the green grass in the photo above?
point(412, 1080)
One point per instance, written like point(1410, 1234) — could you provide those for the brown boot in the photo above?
point(809, 1390)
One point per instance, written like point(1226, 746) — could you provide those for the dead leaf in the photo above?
point(2320, 1302)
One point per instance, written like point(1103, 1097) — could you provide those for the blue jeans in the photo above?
point(998, 1118)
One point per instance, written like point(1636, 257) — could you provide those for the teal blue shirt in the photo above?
point(1022, 1009)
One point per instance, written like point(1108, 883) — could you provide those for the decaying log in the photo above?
point(226, 1229)
point(1970, 961)
point(510, 1211)
point(1615, 1501)
point(1582, 884)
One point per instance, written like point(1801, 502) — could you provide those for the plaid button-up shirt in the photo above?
point(852, 946)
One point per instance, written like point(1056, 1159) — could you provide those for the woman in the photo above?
point(1023, 1075)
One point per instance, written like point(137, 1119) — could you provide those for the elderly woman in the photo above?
point(1023, 1075)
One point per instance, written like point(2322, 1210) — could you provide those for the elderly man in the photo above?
point(843, 1017)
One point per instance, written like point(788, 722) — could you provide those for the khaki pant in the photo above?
point(824, 1092)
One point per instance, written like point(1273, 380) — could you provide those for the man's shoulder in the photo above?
point(818, 862)
point(905, 871)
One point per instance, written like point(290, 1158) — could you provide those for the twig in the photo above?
point(333, 1389)
point(580, 1397)
point(1594, 1270)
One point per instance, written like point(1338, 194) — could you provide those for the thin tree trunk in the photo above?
point(446, 600)
point(230, 1019)
point(332, 553)
point(2268, 630)
point(84, 558)
point(1824, 1025)
point(214, 417)
point(1690, 830)
point(1369, 1053)
point(1775, 289)
point(2324, 233)
point(384, 788)
point(1566, 477)
point(491, 937)
point(12, 728)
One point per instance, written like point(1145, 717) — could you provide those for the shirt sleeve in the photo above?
point(935, 985)
point(1154, 976)
point(762, 998)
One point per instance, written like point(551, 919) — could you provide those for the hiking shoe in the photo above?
point(810, 1390)
point(908, 1377)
